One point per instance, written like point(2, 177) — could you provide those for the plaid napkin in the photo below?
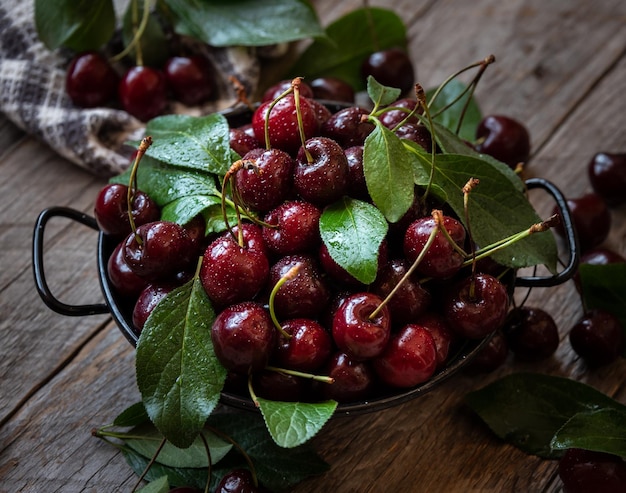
point(32, 95)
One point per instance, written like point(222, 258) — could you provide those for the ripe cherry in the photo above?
point(189, 78)
point(607, 175)
point(332, 89)
point(357, 187)
point(491, 356)
point(280, 87)
point(243, 337)
point(503, 138)
point(347, 127)
point(584, 471)
point(353, 380)
point(416, 133)
point(307, 349)
point(237, 481)
point(598, 337)
point(442, 335)
point(531, 333)
point(393, 117)
point(591, 218)
point(111, 209)
point(125, 281)
point(143, 92)
point(279, 386)
point(392, 68)
point(242, 142)
point(292, 227)
point(147, 300)
point(90, 80)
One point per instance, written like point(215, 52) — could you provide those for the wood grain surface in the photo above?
point(560, 68)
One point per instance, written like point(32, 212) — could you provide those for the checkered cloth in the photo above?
point(32, 95)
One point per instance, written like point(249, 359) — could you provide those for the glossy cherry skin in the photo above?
point(292, 227)
point(237, 481)
point(441, 261)
point(357, 187)
point(332, 89)
point(409, 359)
point(267, 181)
point(442, 335)
point(143, 92)
point(242, 142)
point(243, 337)
point(607, 175)
point(355, 332)
point(353, 380)
point(279, 386)
point(307, 349)
point(491, 356)
point(392, 68)
point(393, 117)
point(146, 302)
point(283, 126)
point(324, 179)
point(477, 307)
point(531, 333)
point(347, 127)
point(416, 133)
point(111, 209)
point(125, 281)
point(158, 250)
point(598, 337)
point(503, 138)
point(90, 80)
point(271, 93)
point(189, 79)
point(591, 218)
point(586, 471)
point(233, 273)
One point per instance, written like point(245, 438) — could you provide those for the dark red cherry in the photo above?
point(243, 337)
point(357, 187)
point(90, 80)
point(237, 481)
point(586, 471)
point(280, 87)
point(347, 128)
point(307, 349)
point(441, 260)
point(292, 227)
point(392, 68)
point(591, 218)
point(111, 209)
point(353, 380)
point(356, 332)
point(503, 138)
point(242, 142)
point(410, 357)
point(416, 133)
point(607, 175)
point(147, 300)
point(268, 179)
point(598, 337)
point(189, 79)
point(125, 281)
point(442, 335)
point(391, 118)
point(491, 356)
point(531, 333)
point(322, 112)
point(477, 307)
point(332, 89)
point(279, 386)
point(143, 92)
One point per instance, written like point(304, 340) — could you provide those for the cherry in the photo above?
point(357, 187)
point(392, 68)
point(356, 332)
point(232, 273)
point(323, 179)
point(306, 294)
point(531, 333)
point(267, 182)
point(441, 260)
point(111, 209)
point(292, 227)
point(607, 175)
point(237, 481)
point(584, 471)
point(322, 113)
point(125, 281)
point(243, 337)
point(90, 80)
point(280, 87)
point(503, 138)
point(409, 359)
point(416, 133)
point(491, 356)
point(189, 78)
point(591, 218)
point(332, 89)
point(143, 92)
point(353, 380)
point(441, 333)
point(242, 142)
point(598, 337)
point(147, 300)
point(391, 118)
point(307, 349)
point(347, 127)
point(158, 250)
point(477, 307)
point(279, 386)
point(283, 123)
point(410, 300)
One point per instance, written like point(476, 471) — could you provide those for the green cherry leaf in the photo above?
point(249, 22)
point(133, 415)
point(527, 409)
point(353, 231)
point(603, 430)
point(293, 423)
point(186, 141)
point(178, 374)
point(159, 485)
point(350, 40)
point(389, 172)
point(451, 116)
point(80, 25)
point(379, 94)
point(184, 209)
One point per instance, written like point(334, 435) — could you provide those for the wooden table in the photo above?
point(561, 69)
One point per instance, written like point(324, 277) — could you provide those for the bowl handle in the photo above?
point(571, 240)
point(38, 263)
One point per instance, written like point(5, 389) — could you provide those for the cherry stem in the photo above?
point(295, 83)
point(295, 373)
point(266, 129)
point(229, 178)
point(421, 99)
point(438, 215)
point(138, 31)
point(132, 183)
point(149, 465)
point(469, 186)
point(240, 90)
point(407, 274)
point(290, 274)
